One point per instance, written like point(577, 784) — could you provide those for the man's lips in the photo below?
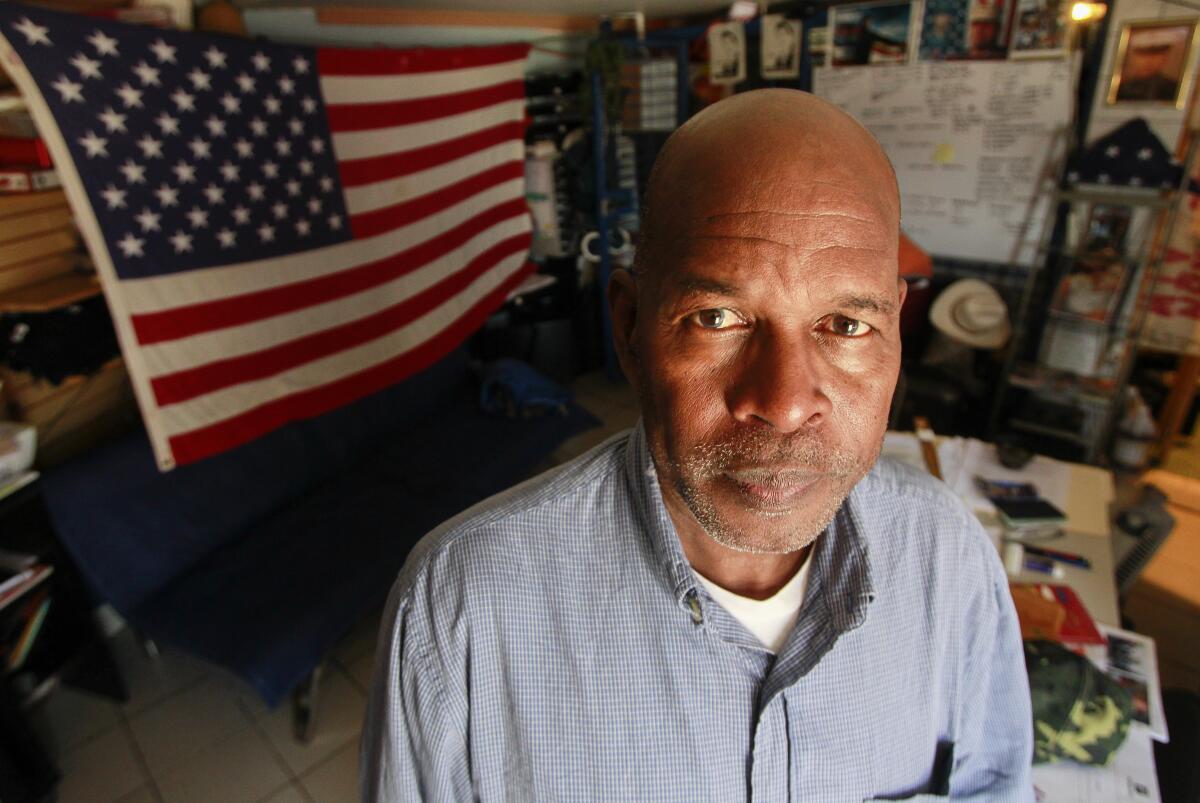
point(773, 489)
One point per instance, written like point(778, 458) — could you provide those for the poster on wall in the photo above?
point(1173, 307)
point(871, 33)
point(727, 53)
point(944, 30)
point(1039, 29)
point(1154, 63)
point(780, 47)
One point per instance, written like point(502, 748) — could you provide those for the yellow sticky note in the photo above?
point(943, 154)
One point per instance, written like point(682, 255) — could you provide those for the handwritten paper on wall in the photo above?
point(969, 141)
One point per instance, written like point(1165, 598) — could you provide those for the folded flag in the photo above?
point(279, 230)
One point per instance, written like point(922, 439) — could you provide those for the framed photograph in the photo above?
point(818, 46)
point(727, 53)
point(1154, 63)
point(780, 49)
point(988, 28)
point(871, 33)
point(1107, 230)
point(944, 30)
point(1039, 29)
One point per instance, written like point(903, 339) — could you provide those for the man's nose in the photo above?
point(780, 384)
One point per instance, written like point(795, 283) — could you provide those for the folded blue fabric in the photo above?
point(517, 390)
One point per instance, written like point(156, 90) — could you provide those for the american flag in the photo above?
point(279, 230)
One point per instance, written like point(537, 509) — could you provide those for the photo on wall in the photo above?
point(780, 47)
point(727, 53)
point(988, 28)
point(871, 33)
point(944, 30)
point(1039, 29)
point(1154, 63)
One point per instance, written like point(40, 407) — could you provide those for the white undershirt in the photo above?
point(771, 619)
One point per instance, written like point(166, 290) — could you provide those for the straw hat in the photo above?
point(971, 312)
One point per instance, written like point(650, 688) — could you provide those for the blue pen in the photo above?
point(1042, 566)
point(1062, 557)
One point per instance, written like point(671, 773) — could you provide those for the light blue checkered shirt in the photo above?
point(553, 644)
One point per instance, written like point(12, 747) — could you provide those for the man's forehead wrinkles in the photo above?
point(750, 213)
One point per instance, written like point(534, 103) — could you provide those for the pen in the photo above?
point(1062, 557)
point(1042, 566)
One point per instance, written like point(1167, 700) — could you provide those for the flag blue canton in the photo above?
point(194, 151)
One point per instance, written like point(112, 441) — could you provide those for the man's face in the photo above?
point(1147, 63)
point(767, 348)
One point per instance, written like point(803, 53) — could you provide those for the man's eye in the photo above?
point(718, 318)
point(849, 327)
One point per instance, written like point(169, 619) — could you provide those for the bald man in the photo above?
point(736, 600)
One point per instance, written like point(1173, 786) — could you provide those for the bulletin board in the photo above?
point(969, 141)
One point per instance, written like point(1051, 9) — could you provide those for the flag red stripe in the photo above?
point(188, 447)
point(357, 172)
point(188, 384)
point(170, 324)
point(375, 61)
point(378, 221)
point(346, 117)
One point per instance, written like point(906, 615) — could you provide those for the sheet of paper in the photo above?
point(1052, 478)
point(1130, 778)
point(1132, 662)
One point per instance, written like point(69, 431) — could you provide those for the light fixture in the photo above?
point(1086, 12)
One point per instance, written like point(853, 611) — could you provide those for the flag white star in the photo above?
point(163, 52)
point(279, 210)
point(229, 171)
point(105, 45)
point(306, 167)
point(317, 144)
point(88, 68)
point(198, 217)
point(69, 90)
point(335, 221)
point(244, 148)
point(326, 184)
point(283, 147)
point(200, 148)
point(167, 196)
point(215, 126)
point(228, 238)
point(286, 85)
point(256, 191)
point(293, 188)
point(167, 124)
point(232, 105)
point(314, 205)
point(300, 65)
point(134, 172)
point(131, 246)
point(184, 102)
point(113, 120)
point(1145, 153)
point(34, 34)
point(266, 233)
point(308, 104)
point(181, 241)
point(1112, 151)
point(1135, 181)
point(184, 172)
point(258, 127)
point(151, 147)
point(132, 98)
point(241, 215)
point(215, 57)
point(296, 126)
point(148, 220)
point(302, 227)
point(114, 197)
point(200, 79)
point(94, 145)
point(270, 169)
point(214, 194)
point(1103, 178)
point(261, 62)
point(272, 104)
point(245, 83)
point(146, 74)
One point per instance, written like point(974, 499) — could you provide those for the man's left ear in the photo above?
point(902, 289)
point(622, 307)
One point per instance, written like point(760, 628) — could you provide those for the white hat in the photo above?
point(971, 312)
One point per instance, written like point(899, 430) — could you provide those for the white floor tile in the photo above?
point(67, 718)
point(174, 731)
point(292, 793)
point(101, 770)
point(340, 711)
point(361, 670)
point(335, 781)
point(151, 680)
point(240, 768)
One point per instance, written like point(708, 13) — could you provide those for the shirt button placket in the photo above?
point(769, 771)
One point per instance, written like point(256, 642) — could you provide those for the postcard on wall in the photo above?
point(988, 29)
point(944, 30)
point(727, 53)
point(1039, 29)
point(780, 47)
point(818, 46)
point(871, 33)
point(1154, 62)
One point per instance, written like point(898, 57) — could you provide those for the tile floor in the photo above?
point(191, 732)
